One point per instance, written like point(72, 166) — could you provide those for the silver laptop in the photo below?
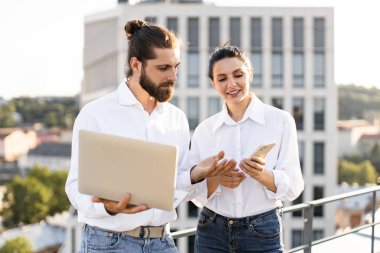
point(111, 166)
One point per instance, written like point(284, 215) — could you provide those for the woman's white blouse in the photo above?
point(260, 124)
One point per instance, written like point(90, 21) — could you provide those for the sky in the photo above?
point(41, 42)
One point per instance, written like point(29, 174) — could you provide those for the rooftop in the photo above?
point(52, 149)
point(350, 124)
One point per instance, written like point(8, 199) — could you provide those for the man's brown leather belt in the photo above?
point(147, 232)
point(141, 232)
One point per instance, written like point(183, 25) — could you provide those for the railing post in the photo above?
point(373, 217)
point(373, 220)
point(308, 227)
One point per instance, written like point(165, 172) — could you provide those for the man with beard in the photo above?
point(137, 109)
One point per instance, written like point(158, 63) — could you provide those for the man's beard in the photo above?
point(161, 92)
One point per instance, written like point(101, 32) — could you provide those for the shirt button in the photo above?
point(231, 222)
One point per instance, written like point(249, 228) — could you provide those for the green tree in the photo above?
point(6, 116)
point(17, 245)
point(59, 201)
point(25, 201)
point(361, 173)
point(54, 112)
point(367, 173)
point(346, 171)
point(354, 158)
point(354, 101)
point(55, 181)
point(51, 119)
point(374, 156)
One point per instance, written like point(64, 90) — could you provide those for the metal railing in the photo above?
point(308, 215)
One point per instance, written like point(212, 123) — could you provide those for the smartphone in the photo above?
point(263, 150)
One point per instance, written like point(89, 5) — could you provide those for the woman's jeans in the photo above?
point(100, 240)
point(259, 233)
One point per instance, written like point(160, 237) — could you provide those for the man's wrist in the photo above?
point(194, 177)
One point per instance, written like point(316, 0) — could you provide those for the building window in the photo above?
point(278, 102)
point(298, 200)
point(298, 41)
point(277, 53)
point(297, 238)
point(210, 84)
point(319, 33)
point(193, 112)
point(277, 33)
point(319, 158)
point(298, 112)
point(235, 32)
point(193, 69)
point(172, 24)
point(319, 113)
point(318, 194)
point(213, 106)
point(257, 64)
point(256, 52)
point(319, 52)
point(318, 234)
point(319, 69)
point(256, 34)
point(193, 52)
point(151, 20)
point(277, 69)
point(298, 69)
point(192, 210)
point(193, 32)
point(174, 101)
point(298, 52)
point(301, 151)
point(214, 33)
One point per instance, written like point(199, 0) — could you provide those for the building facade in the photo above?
point(357, 136)
point(292, 53)
point(52, 155)
point(15, 142)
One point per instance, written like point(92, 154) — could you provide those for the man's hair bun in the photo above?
point(132, 26)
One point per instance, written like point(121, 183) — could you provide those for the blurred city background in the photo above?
point(317, 60)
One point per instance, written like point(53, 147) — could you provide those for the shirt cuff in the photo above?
point(217, 191)
point(191, 180)
point(100, 210)
point(201, 199)
point(91, 209)
point(281, 180)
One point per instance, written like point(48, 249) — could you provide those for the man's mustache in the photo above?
point(168, 83)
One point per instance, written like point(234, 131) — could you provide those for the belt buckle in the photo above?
point(144, 234)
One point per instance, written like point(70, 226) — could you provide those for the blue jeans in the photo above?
point(259, 233)
point(100, 240)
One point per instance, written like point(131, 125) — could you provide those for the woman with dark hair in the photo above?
point(242, 206)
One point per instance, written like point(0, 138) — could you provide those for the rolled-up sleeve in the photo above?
point(199, 190)
point(287, 172)
point(183, 175)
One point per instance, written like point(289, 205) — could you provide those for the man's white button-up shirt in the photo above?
point(120, 113)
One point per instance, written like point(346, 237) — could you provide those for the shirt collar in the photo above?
point(126, 97)
point(255, 112)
